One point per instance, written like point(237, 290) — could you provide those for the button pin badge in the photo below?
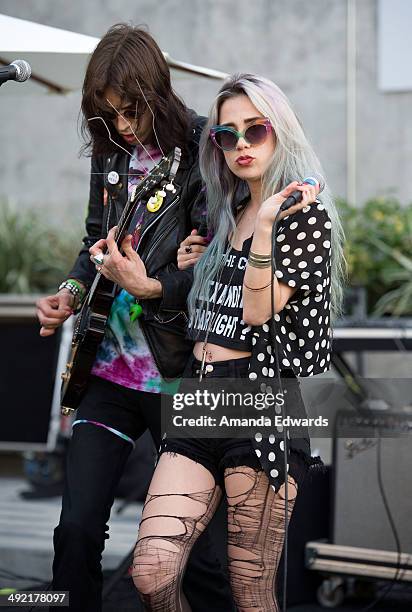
point(113, 177)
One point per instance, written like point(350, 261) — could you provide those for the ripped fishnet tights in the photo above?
point(166, 537)
point(172, 522)
point(255, 536)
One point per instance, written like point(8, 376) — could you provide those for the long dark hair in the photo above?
point(125, 57)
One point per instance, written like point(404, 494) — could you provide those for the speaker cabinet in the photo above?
point(359, 515)
point(29, 388)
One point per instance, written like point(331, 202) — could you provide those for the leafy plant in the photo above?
point(397, 301)
point(34, 255)
point(378, 242)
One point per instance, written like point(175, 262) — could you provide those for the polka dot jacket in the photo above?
point(303, 333)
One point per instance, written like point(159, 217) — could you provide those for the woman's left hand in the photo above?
point(128, 270)
point(270, 207)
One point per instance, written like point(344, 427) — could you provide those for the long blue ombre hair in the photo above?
point(293, 160)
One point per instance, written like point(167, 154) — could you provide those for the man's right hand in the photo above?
point(53, 310)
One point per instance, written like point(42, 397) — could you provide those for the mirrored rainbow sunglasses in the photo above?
point(226, 137)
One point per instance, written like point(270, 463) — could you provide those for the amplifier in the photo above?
point(359, 518)
point(30, 381)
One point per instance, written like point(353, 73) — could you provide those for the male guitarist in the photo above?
point(132, 118)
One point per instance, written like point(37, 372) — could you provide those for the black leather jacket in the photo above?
point(163, 320)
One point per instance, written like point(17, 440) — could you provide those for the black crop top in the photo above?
point(224, 315)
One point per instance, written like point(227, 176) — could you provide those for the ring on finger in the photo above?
point(99, 268)
point(98, 259)
point(188, 249)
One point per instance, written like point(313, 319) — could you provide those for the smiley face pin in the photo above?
point(156, 201)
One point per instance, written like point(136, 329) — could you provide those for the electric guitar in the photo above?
point(91, 322)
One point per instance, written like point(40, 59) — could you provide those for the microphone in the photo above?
point(19, 70)
point(316, 179)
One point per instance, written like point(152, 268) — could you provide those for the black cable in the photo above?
point(395, 579)
point(361, 394)
point(8, 575)
point(285, 455)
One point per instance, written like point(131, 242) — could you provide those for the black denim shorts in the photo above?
point(216, 455)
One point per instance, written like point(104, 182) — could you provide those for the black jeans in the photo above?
point(95, 462)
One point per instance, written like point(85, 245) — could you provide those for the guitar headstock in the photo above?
point(165, 169)
point(156, 175)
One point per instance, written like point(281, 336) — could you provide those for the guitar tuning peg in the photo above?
point(170, 187)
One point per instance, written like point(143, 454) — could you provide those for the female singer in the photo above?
point(252, 141)
point(131, 118)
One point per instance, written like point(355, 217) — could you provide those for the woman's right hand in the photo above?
point(53, 310)
point(270, 207)
point(190, 250)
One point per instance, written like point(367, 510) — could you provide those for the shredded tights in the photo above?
point(178, 509)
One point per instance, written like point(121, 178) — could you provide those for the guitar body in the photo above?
point(91, 322)
point(88, 334)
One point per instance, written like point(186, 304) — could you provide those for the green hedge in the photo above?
point(34, 254)
point(378, 251)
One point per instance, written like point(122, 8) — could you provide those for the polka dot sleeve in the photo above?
point(303, 249)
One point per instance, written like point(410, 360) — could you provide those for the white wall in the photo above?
point(300, 45)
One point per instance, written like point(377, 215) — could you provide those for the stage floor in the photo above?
point(26, 531)
point(26, 534)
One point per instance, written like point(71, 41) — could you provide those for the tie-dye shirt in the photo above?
point(124, 356)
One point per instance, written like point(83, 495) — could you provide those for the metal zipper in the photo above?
point(159, 216)
point(152, 249)
point(160, 238)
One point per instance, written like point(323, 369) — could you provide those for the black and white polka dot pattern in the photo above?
point(303, 332)
point(303, 244)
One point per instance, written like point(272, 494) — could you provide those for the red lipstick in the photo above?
point(244, 160)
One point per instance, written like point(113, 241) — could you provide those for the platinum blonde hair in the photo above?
point(293, 159)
